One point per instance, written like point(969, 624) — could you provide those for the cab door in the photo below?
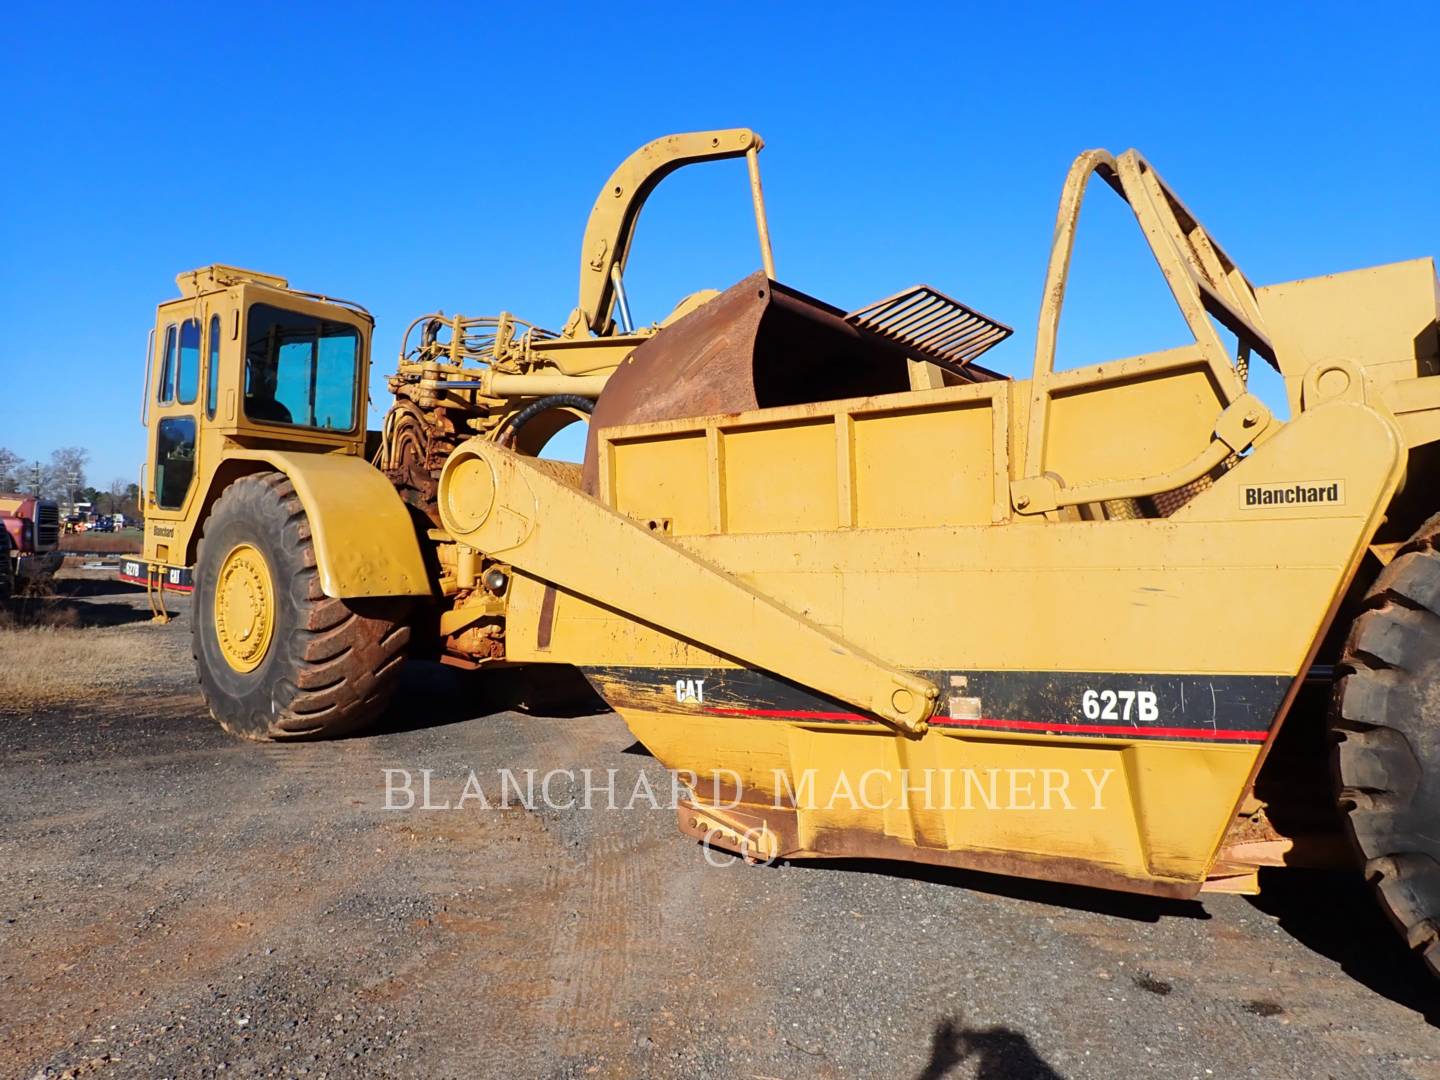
point(186, 340)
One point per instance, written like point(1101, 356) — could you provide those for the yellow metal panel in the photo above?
point(1143, 425)
point(1150, 811)
point(930, 467)
point(365, 542)
point(1416, 405)
point(1163, 782)
point(1058, 819)
point(1064, 598)
point(1220, 588)
point(1096, 596)
point(801, 467)
point(667, 478)
point(1378, 316)
point(780, 479)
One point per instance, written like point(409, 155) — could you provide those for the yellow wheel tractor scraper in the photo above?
point(1103, 626)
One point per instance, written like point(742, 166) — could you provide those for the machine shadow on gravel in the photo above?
point(1351, 930)
point(436, 695)
point(999, 1053)
point(1130, 906)
point(76, 588)
point(66, 613)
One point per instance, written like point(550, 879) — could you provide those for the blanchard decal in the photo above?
point(1211, 708)
point(1314, 492)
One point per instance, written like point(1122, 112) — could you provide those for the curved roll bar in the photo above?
point(1203, 279)
point(611, 228)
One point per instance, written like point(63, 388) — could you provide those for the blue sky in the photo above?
point(414, 157)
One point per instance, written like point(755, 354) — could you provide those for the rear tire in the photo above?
point(1386, 723)
point(277, 658)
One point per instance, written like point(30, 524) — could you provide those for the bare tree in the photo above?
point(67, 472)
point(11, 470)
point(116, 494)
point(63, 477)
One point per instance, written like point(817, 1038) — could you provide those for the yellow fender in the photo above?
point(365, 542)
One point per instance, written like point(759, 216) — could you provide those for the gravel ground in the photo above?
point(178, 903)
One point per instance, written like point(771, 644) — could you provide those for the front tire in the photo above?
point(1386, 723)
point(277, 658)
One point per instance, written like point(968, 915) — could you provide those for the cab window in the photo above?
point(187, 379)
point(212, 368)
point(166, 387)
point(174, 460)
point(300, 369)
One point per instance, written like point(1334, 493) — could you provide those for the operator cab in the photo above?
point(242, 361)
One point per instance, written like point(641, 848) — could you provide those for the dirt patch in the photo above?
point(46, 664)
point(1143, 980)
point(23, 616)
point(74, 640)
point(1263, 1008)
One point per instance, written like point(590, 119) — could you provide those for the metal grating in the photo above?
point(931, 325)
point(47, 525)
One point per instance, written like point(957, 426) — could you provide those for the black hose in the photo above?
point(544, 404)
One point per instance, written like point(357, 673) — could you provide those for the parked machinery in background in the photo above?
point(32, 526)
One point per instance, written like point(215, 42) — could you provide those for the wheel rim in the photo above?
point(244, 608)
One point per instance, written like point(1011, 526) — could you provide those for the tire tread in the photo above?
point(1382, 742)
point(347, 654)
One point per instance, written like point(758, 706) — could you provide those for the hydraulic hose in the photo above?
point(545, 404)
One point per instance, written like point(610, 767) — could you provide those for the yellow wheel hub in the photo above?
point(244, 608)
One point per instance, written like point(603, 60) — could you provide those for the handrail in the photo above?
point(145, 393)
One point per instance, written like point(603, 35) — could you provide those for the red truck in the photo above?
point(31, 538)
